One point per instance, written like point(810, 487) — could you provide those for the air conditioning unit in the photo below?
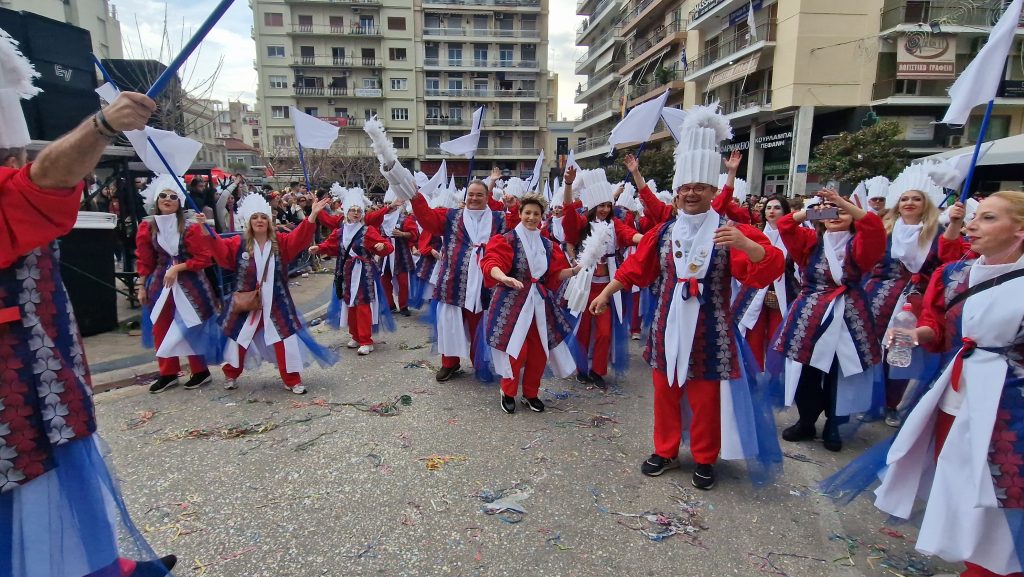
point(954, 141)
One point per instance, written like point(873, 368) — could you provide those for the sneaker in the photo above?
point(892, 418)
point(598, 380)
point(446, 373)
point(298, 389)
point(799, 432)
point(163, 383)
point(198, 379)
point(704, 477)
point(365, 349)
point(656, 465)
point(230, 384)
point(830, 436)
point(536, 405)
point(404, 311)
point(508, 404)
point(585, 379)
point(352, 344)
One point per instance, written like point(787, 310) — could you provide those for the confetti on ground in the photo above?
point(437, 462)
point(144, 418)
point(228, 432)
point(367, 550)
point(146, 378)
point(506, 504)
point(560, 395)
point(200, 567)
point(767, 566)
point(902, 565)
point(803, 458)
point(892, 533)
point(421, 364)
point(408, 347)
point(307, 444)
point(658, 526)
point(384, 408)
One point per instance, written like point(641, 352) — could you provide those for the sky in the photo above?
point(142, 23)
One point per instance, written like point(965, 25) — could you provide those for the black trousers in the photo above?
point(816, 393)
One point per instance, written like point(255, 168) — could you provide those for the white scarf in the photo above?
point(348, 233)
point(167, 235)
point(391, 221)
point(906, 245)
point(478, 224)
point(557, 228)
point(835, 252)
point(753, 311)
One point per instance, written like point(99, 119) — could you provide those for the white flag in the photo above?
point(571, 161)
point(537, 167)
point(466, 145)
point(443, 169)
point(980, 81)
point(673, 119)
point(638, 125)
point(311, 132)
point(751, 24)
point(547, 189)
point(435, 183)
point(860, 196)
point(179, 151)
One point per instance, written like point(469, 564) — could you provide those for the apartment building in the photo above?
point(421, 66)
point(600, 32)
point(99, 17)
point(245, 124)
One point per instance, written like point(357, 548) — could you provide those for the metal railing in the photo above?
point(474, 3)
point(349, 30)
point(898, 88)
point(480, 93)
point(338, 91)
point(360, 2)
point(524, 152)
point(644, 44)
point(654, 81)
point(592, 50)
point(591, 111)
point(472, 32)
point(733, 43)
point(472, 63)
point(592, 143)
point(435, 121)
point(754, 99)
point(331, 61)
point(943, 13)
point(343, 121)
point(632, 12)
point(507, 122)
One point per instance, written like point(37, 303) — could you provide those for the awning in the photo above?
point(726, 75)
point(1008, 150)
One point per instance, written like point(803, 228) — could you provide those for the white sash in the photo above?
point(906, 246)
point(479, 233)
point(681, 321)
point(264, 258)
point(391, 221)
point(169, 239)
point(753, 311)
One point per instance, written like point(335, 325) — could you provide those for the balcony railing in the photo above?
point(343, 121)
point(592, 143)
point(733, 43)
point(332, 62)
point(634, 11)
point(482, 32)
point(457, 121)
point(592, 51)
point(899, 88)
point(351, 30)
point(654, 81)
point(338, 91)
point(754, 99)
point(597, 9)
point(644, 44)
point(941, 12)
point(336, 2)
point(480, 93)
point(523, 152)
point(507, 122)
point(472, 63)
point(475, 3)
point(591, 111)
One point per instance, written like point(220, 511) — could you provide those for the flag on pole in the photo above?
point(571, 161)
point(979, 82)
point(547, 190)
point(466, 145)
point(684, 61)
point(179, 151)
point(435, 183)
point(443, 170)
point(535, 178)
point(311, 132)
point(638, 125)
point(673, 119)
point(751, 24)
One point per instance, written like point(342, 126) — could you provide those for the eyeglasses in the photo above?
point(698, 188)
point(165, 196)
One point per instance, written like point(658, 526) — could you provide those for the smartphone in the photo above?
point(818, 212)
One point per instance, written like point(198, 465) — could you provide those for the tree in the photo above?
point(659, 165)
point(855, 156)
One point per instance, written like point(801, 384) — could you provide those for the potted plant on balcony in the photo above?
point(662, 75)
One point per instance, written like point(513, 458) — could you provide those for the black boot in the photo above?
point(830, 436)
point(801, 431)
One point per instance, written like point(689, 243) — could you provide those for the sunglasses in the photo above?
point(165, 196)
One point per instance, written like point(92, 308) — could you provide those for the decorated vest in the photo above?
point(282, 312)
point(425, 267)
point(344, 265)
point(45, 387)
point(745, 295)
point(458, 250)
point(402, 255)
point(714, 356)
point(506, 303)
point(807, 321)
point(195, 284)
point(890, 278)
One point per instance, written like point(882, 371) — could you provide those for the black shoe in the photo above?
point(394, 309)
point(446, 373)
point(163, 383)
point(830, 436)
point(536, 405)
point(598, 380)
point(198, 379)
point(704, 477)
point(799, 432)
point(508, 404)
point(656, 465)
point(158, 568)
point(585, 379)
point(404, 311)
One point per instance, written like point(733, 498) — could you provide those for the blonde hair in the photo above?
point(250, 242)
point(929, 219)
point(1016, 201)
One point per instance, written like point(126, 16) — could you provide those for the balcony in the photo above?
point(595, 83)
point(751, 102)
point(343, 122)
point(656, 81)
point(657, 35)
point(729, 45)
point(478, 3)
point(443, 121)
point(470, 32)
point(331, 91)
point(949, 14)
point(592, 111)
point(485, 64)
point(490, 152)
point(328, 30)
point(582, 7)
point(337, 2)
point(511, 122)
point(332, 62)
point(495, 123)
point(592, 146)
point(599, 46)
point(464, 93)
point(922, 92)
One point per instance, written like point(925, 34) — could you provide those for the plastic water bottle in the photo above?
point(902, 346)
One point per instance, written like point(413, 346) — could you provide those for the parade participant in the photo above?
point(759, 312)
point(261, 321)
point(61, 513)
point(957, 448)
point(401, 230)
point(460, 296)
point(356, 302)
point(628, 209)
point(828, 336)
point(598, 335)
point(430, 248)
point(693, 348)
point(525, 326)
point(180, 310)
point(912, 254)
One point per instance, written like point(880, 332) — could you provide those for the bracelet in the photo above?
point(103, 121)
point(100, 131)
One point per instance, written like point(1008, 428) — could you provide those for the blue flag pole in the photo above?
point(305, 171)
point(977, 151)
point(193, 43)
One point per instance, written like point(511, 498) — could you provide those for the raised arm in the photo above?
point(434, 220)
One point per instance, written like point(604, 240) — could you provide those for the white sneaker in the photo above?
point(230, 384)
point(352, 344)
point(365, 349)
point(298, 389)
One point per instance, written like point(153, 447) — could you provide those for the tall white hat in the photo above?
point(627, 198)
point(162, 183)
point(515, 187)
point(697, 155)
point(16, 75)
point(877, 187)
point(251, 204)
point(337, 191)
point(596, 189)
point(353, 197)
point(740, 188)
point(915, 177)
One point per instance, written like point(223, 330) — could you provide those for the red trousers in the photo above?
point(360, 324)
point(760, 337)
point(602, 331)
point(531, 360)
point(705, 402)
point(470, 321)
point(290, 379)
point(171, 366)
point(943, 423)
point(635, 323)
point(403, 288)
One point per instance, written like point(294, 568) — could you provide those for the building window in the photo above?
point(454, 84)
point(279, 112)
point(907, 87)
point(305, 23)
point(370, 83)
point(399, 114)
point(369, 113)
point(401, 142)
point(397, 54)
point(505, 52)
point(399, 84)
point(528, 22)
point(337, 24)
point(312, 111)
point(275, 51)
point(433, 83)
point(273, 19)
point(455, 55)
point(527, 141)
point(282, 141)
point(433, 112)
point(396, 23)
point(278, 81)
point(433, 140)
point(480, 55)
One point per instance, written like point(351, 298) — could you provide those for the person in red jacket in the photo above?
point(401, 231)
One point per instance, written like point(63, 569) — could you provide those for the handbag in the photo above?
point(249, 301)
point(771, 300)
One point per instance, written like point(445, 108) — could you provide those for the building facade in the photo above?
point(99, 17)
point(600, 33)
point(245, 124)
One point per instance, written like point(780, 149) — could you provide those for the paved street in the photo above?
point(351, 480)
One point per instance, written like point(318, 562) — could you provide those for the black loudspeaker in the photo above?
point(59, 109)
point(87, 267)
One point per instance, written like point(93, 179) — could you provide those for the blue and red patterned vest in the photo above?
point(714, 356)
point(890, 278)
point(458, 250)
point(344, 265)
point(195, 284)
point(282, 312)
point(45, 387)
point(402, 254)
point(807, 321)
point(506, 303)
point(425, 267)
point(745, 296)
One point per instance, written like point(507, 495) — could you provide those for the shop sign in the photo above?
point(929, 57)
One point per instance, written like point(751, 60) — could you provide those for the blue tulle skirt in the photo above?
point(70, 522)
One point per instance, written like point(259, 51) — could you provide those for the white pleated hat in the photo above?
point(596, 189)
point(162, 183)
point(698, 159)
point(915, 177)
point(353, 197)
point(740, 188)
point(16, 76)
point(252, 203)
